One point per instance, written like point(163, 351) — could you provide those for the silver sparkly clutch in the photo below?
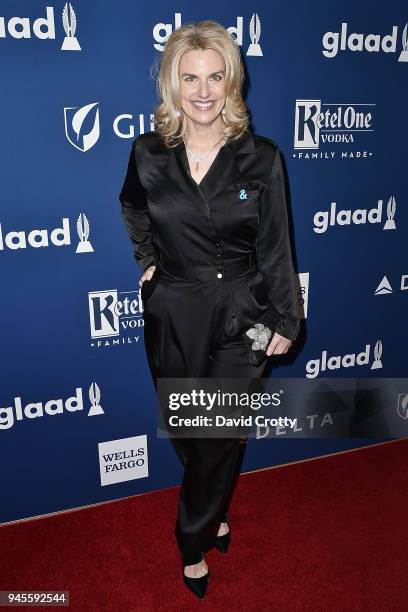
point(258, 337)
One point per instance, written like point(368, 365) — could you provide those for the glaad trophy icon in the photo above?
point(70, 42)
point(377, 356)
point(84, 246)
point(95, 398)
point(391, 206)
point(255, 34)
point(404, 53)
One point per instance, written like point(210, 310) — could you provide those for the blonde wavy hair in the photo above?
point(198, 35)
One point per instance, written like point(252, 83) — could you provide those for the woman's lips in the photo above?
point(203, 106)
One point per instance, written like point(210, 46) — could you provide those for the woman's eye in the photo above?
point(215, 77)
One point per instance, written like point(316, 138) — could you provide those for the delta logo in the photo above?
point(385, 288)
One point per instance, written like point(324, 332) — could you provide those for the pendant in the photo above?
point(197, 166)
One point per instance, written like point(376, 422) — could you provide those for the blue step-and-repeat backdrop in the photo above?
point(326, 81)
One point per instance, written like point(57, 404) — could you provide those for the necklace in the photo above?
point(197, 157)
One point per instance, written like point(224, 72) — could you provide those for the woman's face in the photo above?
point(202, 85)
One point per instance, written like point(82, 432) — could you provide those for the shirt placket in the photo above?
point(219, 266)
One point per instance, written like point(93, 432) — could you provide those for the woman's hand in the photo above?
point(147, 274)
point(278, 345)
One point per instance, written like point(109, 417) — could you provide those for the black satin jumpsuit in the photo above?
point(222, 255)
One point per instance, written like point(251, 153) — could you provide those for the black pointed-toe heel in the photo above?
point(222, 542)
point(197, 585)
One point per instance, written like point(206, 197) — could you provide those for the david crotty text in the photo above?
point(222, 421)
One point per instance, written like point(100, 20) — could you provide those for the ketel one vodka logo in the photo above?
point(43, 27)
point(333, 42)
point(114, 316)
point(82, 127)
point(324, 219)
point(161, 32)
point(37, 238)
point(319, 123)
point(323, 363)
point(20, 410)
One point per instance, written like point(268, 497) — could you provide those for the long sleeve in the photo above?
point(274, 253)
point(135, 214)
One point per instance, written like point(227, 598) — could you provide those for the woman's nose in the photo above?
point(203, 90)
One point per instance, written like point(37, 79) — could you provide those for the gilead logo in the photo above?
point(323, 363)
point(33, 410)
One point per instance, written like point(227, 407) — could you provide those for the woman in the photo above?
point(203, 201)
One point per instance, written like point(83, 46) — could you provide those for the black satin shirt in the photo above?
point(238, 208)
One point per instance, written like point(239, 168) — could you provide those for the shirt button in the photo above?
point(219, 275)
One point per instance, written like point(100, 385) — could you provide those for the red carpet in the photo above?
point(328, 535)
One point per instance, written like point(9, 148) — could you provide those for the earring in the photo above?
point(223, 111)
point(178, 113)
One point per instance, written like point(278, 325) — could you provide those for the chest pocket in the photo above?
point(244, 191)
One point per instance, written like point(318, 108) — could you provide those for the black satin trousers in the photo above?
point(194, 320)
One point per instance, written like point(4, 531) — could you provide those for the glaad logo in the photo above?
point(112, 313)
point(74, 119)
point(315, 366)
point(162, 31)
point(373, 43)
point(323, 219)
point(384, 288)
point(122, 460)
point(337, 124)
point(34, 410)
point(254, 48)
point(84, 246)
point(60, 236)
point(69, 22)
point(44, 27)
